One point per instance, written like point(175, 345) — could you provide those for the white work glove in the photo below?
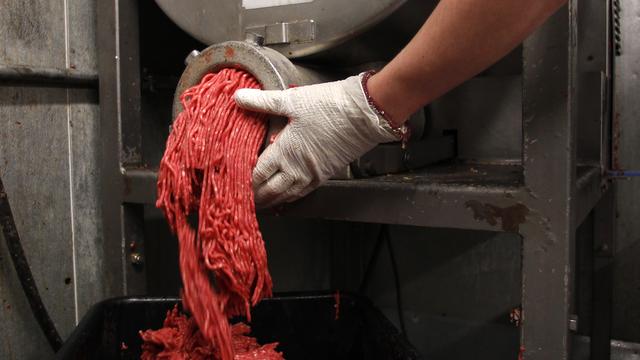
point(330, 125)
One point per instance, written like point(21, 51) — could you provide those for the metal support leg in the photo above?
point(549, 159)
point(546, 293)
point(604, 238)
point(119, 77)
point(583, 276)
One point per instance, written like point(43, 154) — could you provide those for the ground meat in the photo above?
point(206, 171)
point(179, 339)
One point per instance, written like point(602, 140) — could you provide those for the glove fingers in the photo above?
point(267, 101)
point(292, 193)
point(269, 192)
point(266, 167)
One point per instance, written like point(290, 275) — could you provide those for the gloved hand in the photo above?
point(330, 125)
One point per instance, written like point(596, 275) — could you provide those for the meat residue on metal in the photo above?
point(510, 217)
point(229, 52)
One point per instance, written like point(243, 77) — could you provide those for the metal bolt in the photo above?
point(192, 55)
point(573, 322)
point(136, 259)
point(254, 39)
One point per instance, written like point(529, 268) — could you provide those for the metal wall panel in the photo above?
point(22, 339)
point(35, 168)
point(32, 33)
point(626, 293)
point(486, 112)
point(49, 164)
point(299, 252)
point(459, 288)
point(87, 229)
point(35, 131)
point(82, 35)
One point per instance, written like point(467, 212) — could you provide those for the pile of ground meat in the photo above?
point(180, 339)
point(204, 190)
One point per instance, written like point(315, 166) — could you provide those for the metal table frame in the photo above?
point(543, 200)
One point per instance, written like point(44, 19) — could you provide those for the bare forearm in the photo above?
point(460, 39)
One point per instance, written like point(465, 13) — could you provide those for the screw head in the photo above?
point(136, 259)
point(192, 55)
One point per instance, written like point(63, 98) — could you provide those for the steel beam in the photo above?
point(452, 197)
point(549, 158)
point(604, 248)
point(47, 76)
point(119, 72)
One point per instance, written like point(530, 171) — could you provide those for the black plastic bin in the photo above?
point(304, 325)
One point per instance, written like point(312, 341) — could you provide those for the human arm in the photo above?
point(332, 124)
point(460, 39)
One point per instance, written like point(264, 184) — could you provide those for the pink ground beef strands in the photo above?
point(206, 171)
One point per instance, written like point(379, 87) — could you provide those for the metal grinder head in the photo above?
point(275, 72)
point(272, 70)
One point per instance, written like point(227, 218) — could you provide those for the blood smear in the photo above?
point(206, 171)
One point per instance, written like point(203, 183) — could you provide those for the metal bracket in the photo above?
point(285, 32)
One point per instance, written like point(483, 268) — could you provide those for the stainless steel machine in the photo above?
point(266, 37)
point(306, 28)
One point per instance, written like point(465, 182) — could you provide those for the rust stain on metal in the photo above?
point(510, 217)
point(229, 52)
